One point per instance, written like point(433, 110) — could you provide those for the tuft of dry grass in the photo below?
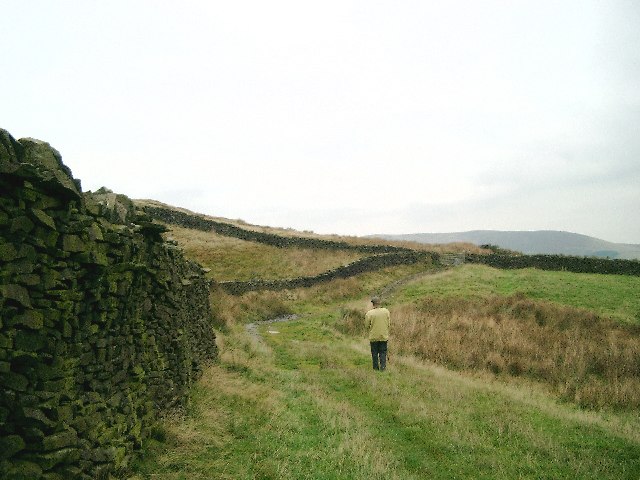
point(588, 360)
point(250, 307)
point(352, 322)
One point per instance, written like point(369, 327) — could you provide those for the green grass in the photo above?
point(613, 296)
point(305, 404)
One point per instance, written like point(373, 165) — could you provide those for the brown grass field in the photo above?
point(583, 357)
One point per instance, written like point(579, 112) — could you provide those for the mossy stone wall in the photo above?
point(559, 263)
point(381, 256)
point(103, 324)
point(198, 222)
point(367, 264)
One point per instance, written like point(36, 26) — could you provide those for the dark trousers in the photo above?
point(379, 355)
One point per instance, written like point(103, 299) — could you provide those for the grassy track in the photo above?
point(305, 404)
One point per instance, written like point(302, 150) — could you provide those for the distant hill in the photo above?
point(530, 242)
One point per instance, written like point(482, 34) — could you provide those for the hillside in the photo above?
point(449, 247)
point(296, 398)
point(529, 242)
point(493, 373)
point(122, 356)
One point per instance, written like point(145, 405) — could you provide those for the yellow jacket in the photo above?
point(377, 321)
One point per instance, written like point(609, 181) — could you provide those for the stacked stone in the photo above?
point(367, 264)
point(559, 263)
point(197, 222)
point(103, 323)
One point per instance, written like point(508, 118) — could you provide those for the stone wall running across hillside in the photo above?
point(383, 255)
point(559, 263)
point(103, 324)
point(197, 222)
point(367, 264)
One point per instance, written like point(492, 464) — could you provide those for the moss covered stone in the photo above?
point(14, 381)
point(4, 219)
point(48, 460)
point(7, 252)
point(80, 291)
point(6, 341)
point(10, 445)
point(29, 280)
point(23, 470)
point(73, 243)
point(21, 224)
point(32, 319)
point(59, 440)
point(43, 218)
point(17, 293)
point(27, 341)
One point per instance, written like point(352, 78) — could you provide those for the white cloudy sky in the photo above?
point(350, 117)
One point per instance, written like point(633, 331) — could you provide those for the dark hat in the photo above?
point(375, 300)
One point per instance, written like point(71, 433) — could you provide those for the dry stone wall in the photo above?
point(559, 263)
point(381, 256)
point(103, 324)
point(197, 222)
point(367, 264)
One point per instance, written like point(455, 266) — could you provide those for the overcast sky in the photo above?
point(348, 117)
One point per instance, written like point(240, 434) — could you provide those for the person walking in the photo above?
point(378, 320)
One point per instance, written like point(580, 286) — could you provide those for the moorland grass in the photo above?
point(470, 318)
point(611, 296)
point(587, 360)
point(234, 259)
point(305, 404)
